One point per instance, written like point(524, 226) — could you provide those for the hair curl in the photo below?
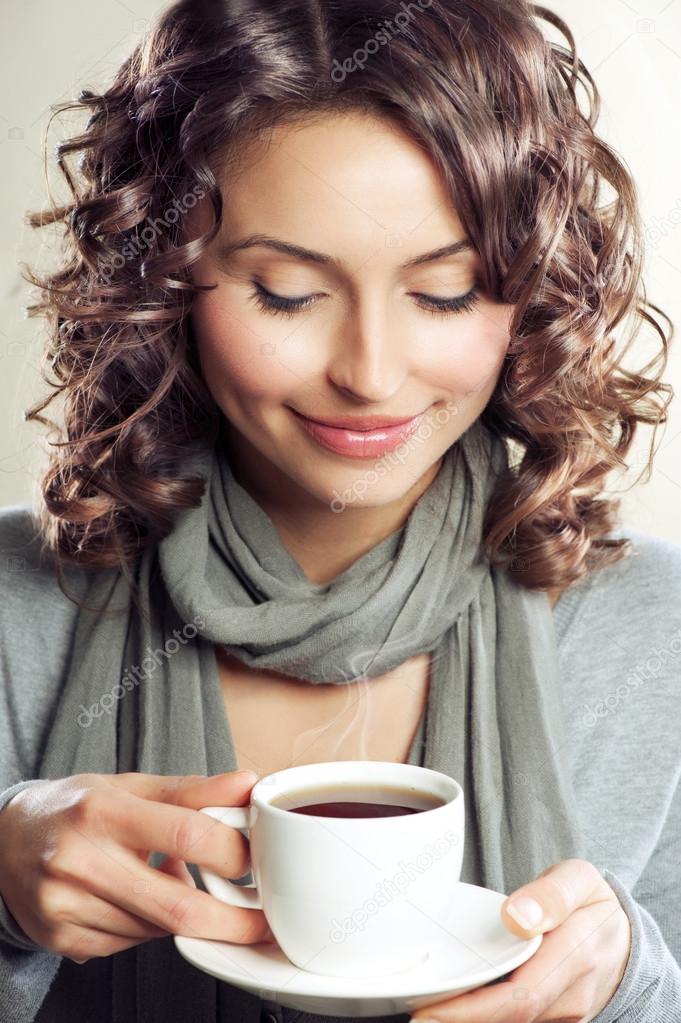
point(495, 103)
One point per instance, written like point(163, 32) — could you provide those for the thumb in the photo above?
point(555, 895)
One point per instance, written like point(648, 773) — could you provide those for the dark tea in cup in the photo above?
point(357, 801)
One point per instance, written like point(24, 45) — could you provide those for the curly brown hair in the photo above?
point(480, 86)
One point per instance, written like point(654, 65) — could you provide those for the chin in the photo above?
point(368, 484)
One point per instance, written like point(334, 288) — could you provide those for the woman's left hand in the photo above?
point(578, 966)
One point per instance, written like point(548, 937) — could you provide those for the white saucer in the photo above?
point(475, 949)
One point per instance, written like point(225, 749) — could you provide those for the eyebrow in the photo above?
point(309, 255)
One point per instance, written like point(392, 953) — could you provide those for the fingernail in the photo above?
point(525, 911)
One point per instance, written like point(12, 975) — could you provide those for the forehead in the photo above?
point(349, 178)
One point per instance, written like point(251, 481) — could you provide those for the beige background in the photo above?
point(50, 51)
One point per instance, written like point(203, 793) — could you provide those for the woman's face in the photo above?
point(368, 338)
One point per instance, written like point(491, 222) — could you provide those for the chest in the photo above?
point(277, 722)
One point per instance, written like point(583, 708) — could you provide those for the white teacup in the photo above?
point(350, 896)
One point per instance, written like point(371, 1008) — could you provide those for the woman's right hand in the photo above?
point(74, 851)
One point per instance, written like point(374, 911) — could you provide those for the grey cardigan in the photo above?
point(619, 642)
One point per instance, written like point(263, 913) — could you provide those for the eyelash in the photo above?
point(280, 306)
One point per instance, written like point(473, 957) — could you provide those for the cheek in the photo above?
point(471, 356)
point(235, 356)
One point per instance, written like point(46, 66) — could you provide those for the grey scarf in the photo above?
point(493, 719)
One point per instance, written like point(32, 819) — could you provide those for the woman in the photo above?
point(293, 229)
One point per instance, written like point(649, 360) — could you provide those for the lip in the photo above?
point(371, 436)
point(359, 423)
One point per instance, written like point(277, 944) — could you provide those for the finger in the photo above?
point(66, 905)
point(93, 912)
point(86, 943)
point(231, 788)
point(524, 994)
point(585, 1000)
point(545, 903)
point(90, 911)
point(164, 901)
point(175, 867)
point(591, 950)
point(179, 832)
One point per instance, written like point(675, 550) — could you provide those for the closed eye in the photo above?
point(280, 305)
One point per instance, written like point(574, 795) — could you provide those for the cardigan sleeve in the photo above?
point(10, 931)
point(26, 968)
point(650, 990)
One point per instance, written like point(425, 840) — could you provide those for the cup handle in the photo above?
point(244, 896)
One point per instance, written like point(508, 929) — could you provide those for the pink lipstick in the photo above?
point(360, 436)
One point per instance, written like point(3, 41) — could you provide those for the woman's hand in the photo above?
point(578, 966)
point(74, 851)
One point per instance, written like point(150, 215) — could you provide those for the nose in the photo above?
point(368, 361)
